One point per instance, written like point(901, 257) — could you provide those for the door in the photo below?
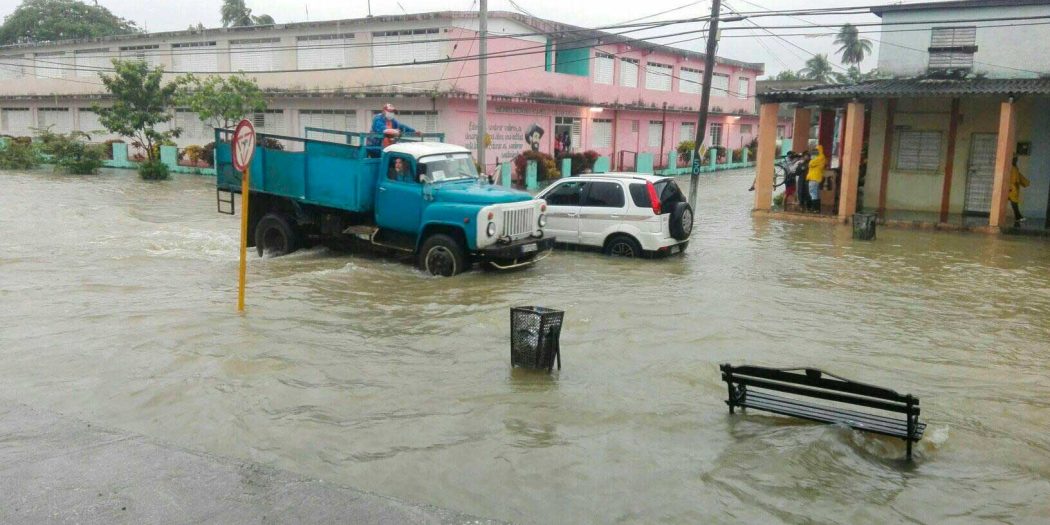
point(980, 174)
point(399, 196)
point(602, 208)
point(563, 210)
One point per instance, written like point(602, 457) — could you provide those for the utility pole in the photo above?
point(705, 99)
point(483, 67)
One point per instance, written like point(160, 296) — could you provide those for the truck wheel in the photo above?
point(681, 221)
point(276, 235)
point(442, 255)
point(623, 246)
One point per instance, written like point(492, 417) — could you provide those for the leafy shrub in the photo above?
point(270, 143)
point(19, 155)
point(546, 167)
point(70, 153)
point(686, 147)
point(154, 170)
point(591, 156)
point(208, 154)
point(193, 153)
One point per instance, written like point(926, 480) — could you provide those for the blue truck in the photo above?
point(422, 198)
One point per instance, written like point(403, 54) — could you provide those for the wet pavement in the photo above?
point(117, 308)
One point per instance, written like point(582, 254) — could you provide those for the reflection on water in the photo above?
point(117, 306)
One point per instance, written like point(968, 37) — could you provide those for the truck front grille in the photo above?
point(519, 223)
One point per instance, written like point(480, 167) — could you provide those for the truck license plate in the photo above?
point(529, 248)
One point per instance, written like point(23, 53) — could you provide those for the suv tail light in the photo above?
point(653, 198)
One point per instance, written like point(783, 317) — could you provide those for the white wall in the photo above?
point(1004, 52)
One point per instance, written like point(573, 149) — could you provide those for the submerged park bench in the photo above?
point(750, 386)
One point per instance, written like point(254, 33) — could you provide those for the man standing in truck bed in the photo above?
point(384, 121)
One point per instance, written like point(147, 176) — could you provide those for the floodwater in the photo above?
point(117, 306)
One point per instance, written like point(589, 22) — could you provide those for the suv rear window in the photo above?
point(669, 194)
point(604, 195)
point(640, 195)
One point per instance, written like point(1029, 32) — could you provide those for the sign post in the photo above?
point(243, 147)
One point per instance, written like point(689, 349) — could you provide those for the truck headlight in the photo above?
point(542, 220)
point(491, 231)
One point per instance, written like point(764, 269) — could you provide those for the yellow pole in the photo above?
point(244, 237)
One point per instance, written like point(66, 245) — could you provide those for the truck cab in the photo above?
point(424, 198)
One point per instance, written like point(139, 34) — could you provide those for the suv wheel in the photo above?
point(681, 221)
point(623, 246)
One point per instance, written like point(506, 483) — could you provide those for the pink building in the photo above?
point(585, 89)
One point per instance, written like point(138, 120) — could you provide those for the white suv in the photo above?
point(625, 214)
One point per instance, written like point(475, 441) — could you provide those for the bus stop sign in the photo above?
point(243, 145)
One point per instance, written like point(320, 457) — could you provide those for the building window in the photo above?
point(323, 51)
point(254, 55)
point(953, 47)
point(688, 131)
point(720, 85)
point(601, 133)
point(409, 45)
point(689, 80)
point(628, 72)
point(919, 151)
point(423, 121)
point(743, 87)
point(58, 120)
point(15, 121)
point(12, 67)
point(656, 133)
point(89, 62)
point(89, 122)
point(568, 133)
point(147, 54)
point(658, 76)
point(334, 119)
point(195, 57)
point(781, 131)
point(603, 68)
point(716, 134)
point(745, 129)
point(52, 65)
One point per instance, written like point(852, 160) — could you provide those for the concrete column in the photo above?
point(767, 152)
point(1003, 155)
point(852, 151)
point(826, 131)
point(800, 133)
point(949, 163)
point(887, 149)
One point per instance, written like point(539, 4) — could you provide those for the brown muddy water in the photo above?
point(117, 306)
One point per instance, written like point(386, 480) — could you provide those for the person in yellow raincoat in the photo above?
point(1017, 181)
point(815, 177)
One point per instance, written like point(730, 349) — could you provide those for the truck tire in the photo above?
point(276, 235)
point(442, 255)
point(681, 221)
point(623, 246)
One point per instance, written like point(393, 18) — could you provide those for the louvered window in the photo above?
point(254, 55)
point(688, 131)
point(656, 133)
point(59, 120)
point(658, 76)
point(603, 68)
point(195, 57)
point(743, 87)
point(601, 133)
point(12, 67)
point(52, 65)
point(193, 127)
point(919, 151)
point(689, 80)
point(16, 121)
point(270, 121)
point(952, 47)
point(323, 51)
point(89, 62)
point(149, 54)
point(334, 119)
point(402, 47)
point(720, 85)
point(628, 72)
point(422, 121)
point(89, 122)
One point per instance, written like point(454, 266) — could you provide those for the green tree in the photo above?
point(141, 102)
point(220, 101)
point(44, 20)
point(817, 68)
point(788, 74)
point(853, 48)
point(854, 76)
point(235, 13)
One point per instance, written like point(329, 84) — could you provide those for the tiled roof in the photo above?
point(912, 88)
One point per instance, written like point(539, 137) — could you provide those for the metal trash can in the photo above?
point(535, 334)
point(864, 226)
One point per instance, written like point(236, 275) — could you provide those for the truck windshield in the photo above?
point(453, 166)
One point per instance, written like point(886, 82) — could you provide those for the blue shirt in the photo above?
point(379, 126)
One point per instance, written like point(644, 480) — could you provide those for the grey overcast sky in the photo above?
point(777, 55)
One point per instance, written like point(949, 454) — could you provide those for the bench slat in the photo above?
point(821, 414)
point(817, 380)
point(889, 420)
point(890, 406)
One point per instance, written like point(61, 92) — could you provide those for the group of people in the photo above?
point(805, 174)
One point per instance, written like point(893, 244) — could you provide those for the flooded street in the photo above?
point(117, 306)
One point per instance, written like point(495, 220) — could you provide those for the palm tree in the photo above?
point(235, 13)
point(853, 47)
point(817, 68)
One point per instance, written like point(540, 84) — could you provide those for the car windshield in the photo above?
point(452, 166)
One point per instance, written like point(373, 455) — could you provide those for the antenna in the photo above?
point(369, 8)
